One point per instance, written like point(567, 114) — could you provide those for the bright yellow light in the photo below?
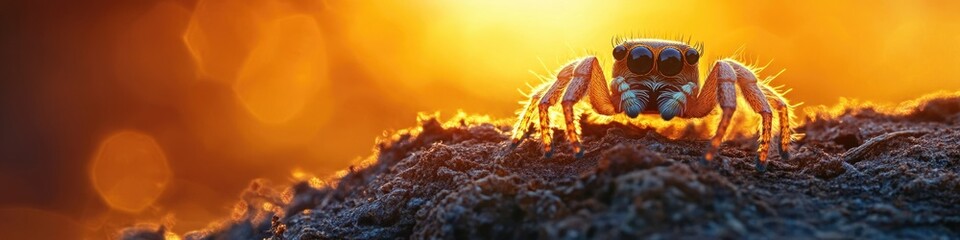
point(315, 182)
point(298, 174)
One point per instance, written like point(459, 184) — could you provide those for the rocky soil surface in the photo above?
point(858, 172)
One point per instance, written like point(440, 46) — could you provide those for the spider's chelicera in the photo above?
point(653, 76)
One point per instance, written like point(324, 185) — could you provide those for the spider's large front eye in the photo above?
point(692, 56)
point(619, 52)
point(641, 60)
point(670, 62)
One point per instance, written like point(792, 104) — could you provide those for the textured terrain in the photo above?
point(860, 171)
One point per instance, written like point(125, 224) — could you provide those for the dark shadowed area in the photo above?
point(860, 171)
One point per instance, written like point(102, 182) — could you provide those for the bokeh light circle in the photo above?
point(130, 171)
point(284, 71)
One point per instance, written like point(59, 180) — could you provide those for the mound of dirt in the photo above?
point(857, 173)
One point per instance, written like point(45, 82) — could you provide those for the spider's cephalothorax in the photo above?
point(655, 76)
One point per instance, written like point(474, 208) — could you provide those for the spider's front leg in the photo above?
point(719, 87)
point(584, 77)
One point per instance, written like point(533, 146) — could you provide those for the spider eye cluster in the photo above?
point(669, 62)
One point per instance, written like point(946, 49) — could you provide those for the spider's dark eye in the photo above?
point(619, 52)
point(641, 60)
point(692, 56)
point(669, 63)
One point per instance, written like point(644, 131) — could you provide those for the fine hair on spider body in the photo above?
point(655, 76)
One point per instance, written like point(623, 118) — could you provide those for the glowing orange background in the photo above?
point(186, 101)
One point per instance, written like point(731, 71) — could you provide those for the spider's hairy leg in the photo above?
point(545, 96)
point(718, 87)
point(522, 127)
point(785, 111)
point(588, 80)
point(755, 97)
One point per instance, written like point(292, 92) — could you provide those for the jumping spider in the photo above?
point(657, 71)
